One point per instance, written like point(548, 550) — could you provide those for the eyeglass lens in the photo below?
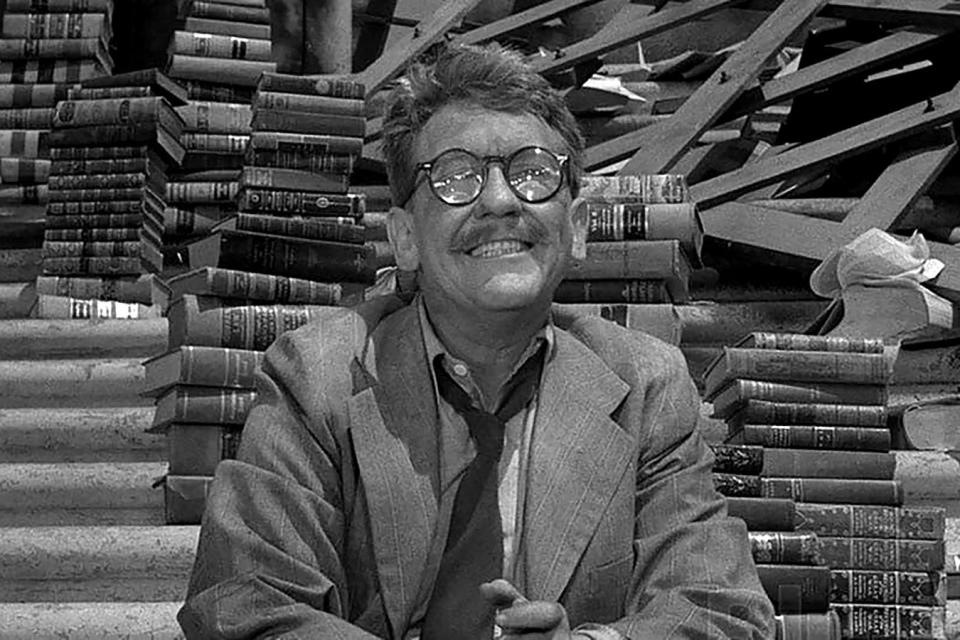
point(457, 176)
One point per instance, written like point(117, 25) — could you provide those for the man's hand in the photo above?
point(521, 619)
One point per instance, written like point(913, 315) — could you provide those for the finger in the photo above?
point(530, 616)
point(501, 594)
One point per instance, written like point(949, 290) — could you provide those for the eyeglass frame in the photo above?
point(485, 161)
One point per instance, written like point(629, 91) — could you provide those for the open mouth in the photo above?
point(499, 248)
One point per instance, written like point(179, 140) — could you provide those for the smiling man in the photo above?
point(475, 462)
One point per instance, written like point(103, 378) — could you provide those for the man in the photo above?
point(369, 498)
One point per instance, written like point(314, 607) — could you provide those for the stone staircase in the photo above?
point(84, 553)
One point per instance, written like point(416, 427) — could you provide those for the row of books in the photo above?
point(808, 426)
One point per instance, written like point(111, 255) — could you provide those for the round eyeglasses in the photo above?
point(457, 176)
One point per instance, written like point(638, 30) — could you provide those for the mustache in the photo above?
point(528, 232)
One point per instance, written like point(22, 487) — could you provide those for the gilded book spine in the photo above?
point(764, 412)
point(117, 153)
point(50, 48)
point(302, 203)
point(861, 586)
point(871, 521)
point(59, 6)
point(803, 342)
point(216, 117)
point(313, 85)
point(211, 366)
point(783, 547)
point(220, 46)
point(55, 25)
point(109, 93)
point(49, 71)
point(829, 490)
point(98, 181)
point(214, 142)
point(882, 554)
point(19, 96)
point(899, 622)
point(224, 11)
point(309, 103)
point(120, 166)
point(797, 436)
point(26, 118)
point(201, 192)
point(648, 188)
point(82, 113)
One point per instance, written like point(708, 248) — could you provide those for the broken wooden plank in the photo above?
point(414, 43)
point(857, 61)
point(517, 21)
point(624, 28)
point(942, 13)
point(656, 149)
point(898, 187)
point(785, 234)
point(830, 149)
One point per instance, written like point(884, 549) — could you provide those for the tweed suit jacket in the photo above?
point(328, 525)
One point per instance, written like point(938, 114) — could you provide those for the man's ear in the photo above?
point(400, 231)
point(579, 219)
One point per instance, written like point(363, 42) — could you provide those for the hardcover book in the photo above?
point(829, 490)
point(798, 436)
point(766, 412)
point(803, 463)
point(70, 308)
point(302, 228)
point(891, 622)
point(211, 45)
point(302, 203)
point(232, 284)
point(647, 260)
point(279, 101)
point(871, 521)
point(318, 85)
point(782, 547)
point(197, 449)
point(882, 554)
point(199, 366)
point(734, 395)
point(137, 289)
point(305, 144)
point(309, 123)
point(613, 291)
point(159, 83)
point(796, 588)
point(243, 73)
point(926, 588)
point(204, 405)
point(648, 188)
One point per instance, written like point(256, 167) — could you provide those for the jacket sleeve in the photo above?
point(694, 575)
point(270, 557)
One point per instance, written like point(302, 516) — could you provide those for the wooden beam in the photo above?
point(939, 13)
point(656, 149)
point(858, 61)
point(788, 234)
point(897, 189)
point(414, 43)
point(504, 26)
point(830, 149)
point(624, 28)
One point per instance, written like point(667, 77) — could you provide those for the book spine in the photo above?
point(302, 203)
point(200, 192)
point(109, 93)
point(96, 207)
point(781, 547)
point(224, 406)
point(314, 163)
point(764, 412)
point(55, 25)
point(302, 144)
point(325, 105)
point(300, 122)
point(125, 289)
point(813, 437)
point(59, 6)
point(26, 118)
point(302, 228)
point(829, 490)
point(49, 71)
point(279, 256)
point(802, 342)
point(104, 135)
point(318, 86)
point(654, 259)
point(92, 265)
point(637, 221)
point(235, 13)
point(813, 393)
point(796, 588)
point(200, 90)
point(214, 117)
point(94, 195)
point(240, 72)
point(763, 514)
point(647, 188)
point(882, 554)
point(807, 626)
point(92, 249)
point(214, 142)
point(870, 622)
point(220, 46)
point(612, 291)
point(285, 179)
point(24, 194)
point(815, 366)
point(93, 221)
point(98, 181)
point(80, 309)
point(927, 588)
point(25, 144)
point(233, 368)
point(228, 28)
point(20, 96)
point(183, 222)
point(50, 49)
point(804, 463)
point(83, 113)
point(94, 234)
point(99, 153)
point(737, 459)
point(256, 327)
point(136, 166)
point(229, 283)
point(872, 521)
point(24, 170)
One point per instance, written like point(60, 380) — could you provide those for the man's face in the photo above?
point(498, 253)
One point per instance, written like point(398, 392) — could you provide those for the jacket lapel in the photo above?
point(393, 422)
point(578, 458)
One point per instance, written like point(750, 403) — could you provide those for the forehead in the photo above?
point(482, 131)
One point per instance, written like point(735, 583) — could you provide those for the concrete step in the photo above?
point(81, 493)
point(111, 434)
point(90, 620)
point(16, 298)
point(88, 383)
point(27, 339)
point(96, 563)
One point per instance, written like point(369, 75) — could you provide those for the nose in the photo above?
point(497, 198)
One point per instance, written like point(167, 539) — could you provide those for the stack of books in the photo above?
point(112, 144)
point(45, 47)
point(643, 234)
point(807, 423)
point(218, 51)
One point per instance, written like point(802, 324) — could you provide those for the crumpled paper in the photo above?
point(878, 259)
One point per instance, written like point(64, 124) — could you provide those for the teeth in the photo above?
point(496, 249)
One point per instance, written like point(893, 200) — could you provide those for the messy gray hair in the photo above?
point(490, 76)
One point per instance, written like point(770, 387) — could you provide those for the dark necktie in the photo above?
point(474, 550)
